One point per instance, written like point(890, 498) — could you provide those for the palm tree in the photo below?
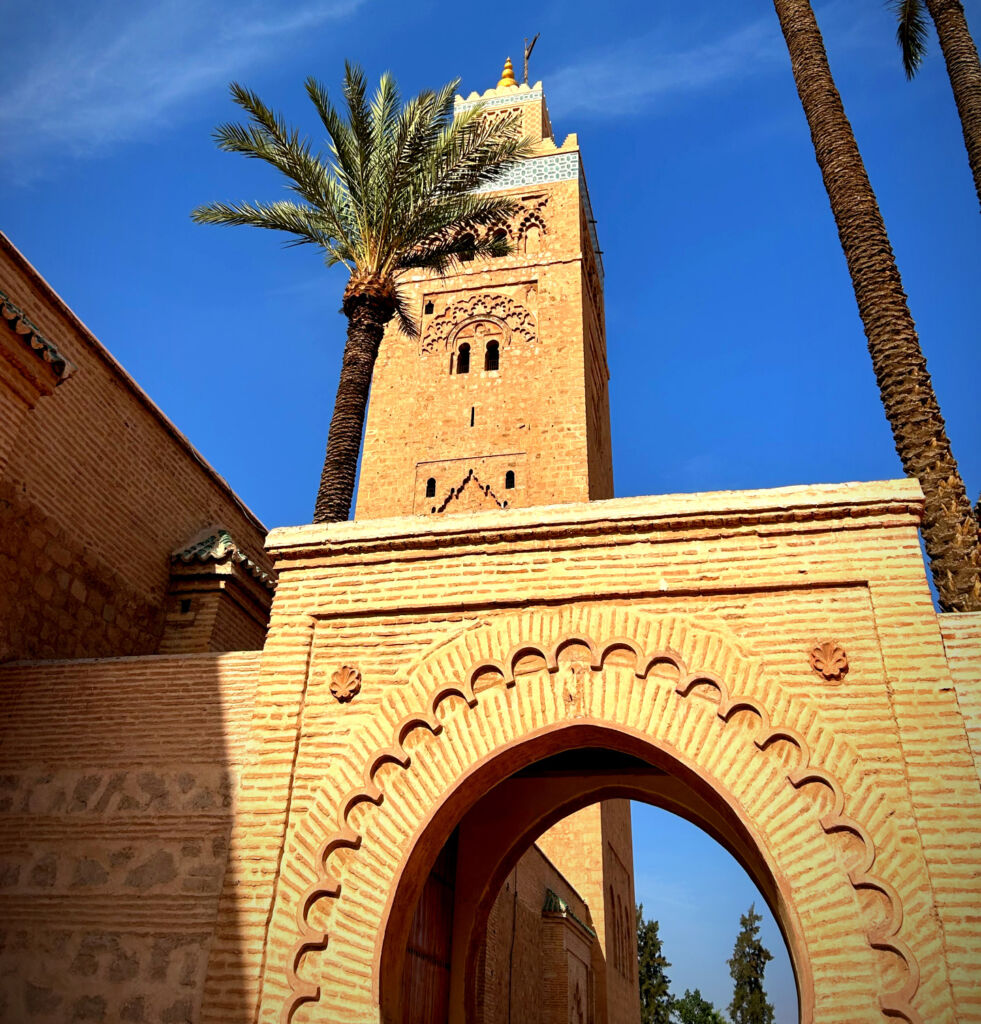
point(961, 56)
point(950, 529)
point(400, 191)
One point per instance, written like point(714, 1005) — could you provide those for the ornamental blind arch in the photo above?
point(514, 321)
point(693, 696)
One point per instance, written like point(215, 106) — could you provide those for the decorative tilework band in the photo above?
point(538, 170)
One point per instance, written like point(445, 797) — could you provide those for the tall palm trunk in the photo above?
point(964, 71)
point(367, 316)
point(950, 530)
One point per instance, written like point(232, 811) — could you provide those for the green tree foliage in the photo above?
point(747, 965)
point(655, 988)
point(402, 187)
point(692, 1008)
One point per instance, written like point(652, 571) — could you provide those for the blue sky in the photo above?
point(736, 352)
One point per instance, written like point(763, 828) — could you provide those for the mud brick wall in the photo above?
point(117, 790)
point(520, 952)
point(542, 413)
point(100, 488)
point(962, 641)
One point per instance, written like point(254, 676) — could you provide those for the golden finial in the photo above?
point(507, 76)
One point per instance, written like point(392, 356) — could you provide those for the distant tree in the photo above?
point(655, 987)
point(747, 965)
point(691, 1008)
point(960, 55)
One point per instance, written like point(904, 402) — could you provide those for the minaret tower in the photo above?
point(502, 402)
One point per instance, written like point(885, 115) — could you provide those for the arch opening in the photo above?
point(496, 815)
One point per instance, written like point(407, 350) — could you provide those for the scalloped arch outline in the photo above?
point(511, 316)
point(884, 937)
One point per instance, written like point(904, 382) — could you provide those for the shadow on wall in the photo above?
point(110, 874)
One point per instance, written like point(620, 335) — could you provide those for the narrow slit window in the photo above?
point(473, 410)
point(509, 480)
point(431, 487)
point(492, 356)
point(463, 359)
point(428, 308)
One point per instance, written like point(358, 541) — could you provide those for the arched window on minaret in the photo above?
point(467, 245)
point(492, 356)
point(463, 359)
point(431, 487)
point(509, 480)
point(499, 238)
point(532, 239)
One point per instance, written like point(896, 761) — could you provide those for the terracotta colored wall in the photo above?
point(594, 849)
point(543, 415)
point(522, 953)
point(962, 642)
point(99, 490)
point(415, 604)
point(117, 791)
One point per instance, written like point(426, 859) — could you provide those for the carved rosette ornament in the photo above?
point(345, 683)
point(829, 660)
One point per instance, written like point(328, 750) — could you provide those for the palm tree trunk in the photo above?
point(367, 318)
point(950, 530)
point(964, 71)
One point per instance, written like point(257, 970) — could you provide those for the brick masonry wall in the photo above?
point(117, 792)
point(962, 642)
point(780, 571)
point(519, 951)
point(99, 490)
point(594, 848)
point(543, 414)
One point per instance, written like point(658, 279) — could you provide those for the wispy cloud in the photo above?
point(655, 71)
point(646, 73)
point(116, 72)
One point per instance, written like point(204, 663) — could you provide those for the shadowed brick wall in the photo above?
point(531, 962)
point(117, 790)
point(99, 489)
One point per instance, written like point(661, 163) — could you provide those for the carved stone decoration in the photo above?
point(516, 321)
point(829, 660)
point(345, 683)
point(470, 495)
point(825, 758)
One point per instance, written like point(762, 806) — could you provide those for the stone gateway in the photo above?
point(408, 802)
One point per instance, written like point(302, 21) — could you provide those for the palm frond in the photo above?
point(306, 223)
point(911, 33)
point(399, 185)
point(406, 321)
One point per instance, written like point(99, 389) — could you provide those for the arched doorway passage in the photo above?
point(554, 774)
point(724, 744)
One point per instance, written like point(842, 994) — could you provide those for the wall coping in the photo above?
point(799, 503)
point(102, 353)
